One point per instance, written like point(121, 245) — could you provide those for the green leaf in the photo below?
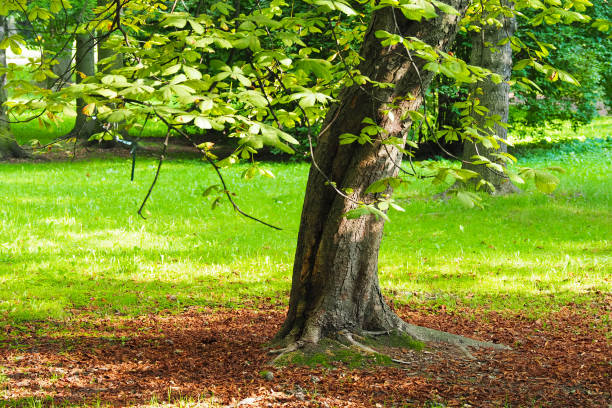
point(319, 67)
point(357, 212)
point(522, 64)
point(556, 168)
point(347, 138)
point(107, 93)
point(336, 5)
point(171, 70)
point(197, 27)
point(223, 8)
point(118, 115)
point(212, 189)
point(445, 8)
point(515, 178)
point(366, 210)
point(565, 77)
point(202, 122)
point(377, 187)
point(468, 199)
point(191, 72)
point(545, 182)
point(184, 118)
point(251, 172)
point(254, 98)
point(369, 121)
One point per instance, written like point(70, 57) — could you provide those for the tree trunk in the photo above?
point(104, 51)
point(498, 59)
point(85, 66)
point(62, 70)
point(8, 146)
point(335, 279)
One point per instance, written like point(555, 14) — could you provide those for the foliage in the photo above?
point(254, 75)
point(582, 49)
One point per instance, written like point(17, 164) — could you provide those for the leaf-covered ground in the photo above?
point(205, 357)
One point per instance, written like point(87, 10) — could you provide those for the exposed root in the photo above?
point(466, 352)
point(428, 335)
point(349, 337)
point(398, 361)
point(314, 343)
point(376, 333)
point(285, 350)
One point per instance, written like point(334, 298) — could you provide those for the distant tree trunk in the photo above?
point(62, 70)
point(84, 126)
point(104, 51)
point(8, 146)
point(335, 278)
point(487, 53)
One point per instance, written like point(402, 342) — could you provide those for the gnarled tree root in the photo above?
point(357, 339)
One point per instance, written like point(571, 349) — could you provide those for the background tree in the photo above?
point(8, 146)
point(85, 66)
point(491, 50)
point(108, 56)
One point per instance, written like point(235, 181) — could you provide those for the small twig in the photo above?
point(208, 159)
point(161, 160)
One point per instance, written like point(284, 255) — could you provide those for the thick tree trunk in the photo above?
point(8, 146)
point(487, 53)
point(84, 126)
point(335, 279)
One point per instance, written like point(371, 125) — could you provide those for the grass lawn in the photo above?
point(71, 241)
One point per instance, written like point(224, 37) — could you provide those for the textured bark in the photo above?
point(84, 126)
point(335, 279)
point(8, 146)
point(487, 53)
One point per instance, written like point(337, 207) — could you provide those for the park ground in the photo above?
point(102, 308)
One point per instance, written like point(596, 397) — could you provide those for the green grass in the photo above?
point(556, 133)
point(44, 131)
point(71, 241)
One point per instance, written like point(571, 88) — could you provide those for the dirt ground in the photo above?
point(216, 356)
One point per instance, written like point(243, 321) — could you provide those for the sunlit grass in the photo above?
point(71, 241)
point(551, 133)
